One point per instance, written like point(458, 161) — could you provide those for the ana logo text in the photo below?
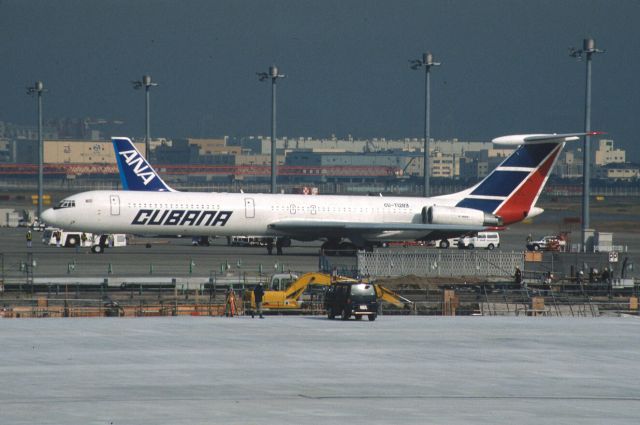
point(138, 165)
point(181, 218)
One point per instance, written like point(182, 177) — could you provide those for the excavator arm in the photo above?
point(391, 297)
point(296, 289)
point(288, 299)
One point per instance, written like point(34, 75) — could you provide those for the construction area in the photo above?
point(171, 277)
point(290, 293)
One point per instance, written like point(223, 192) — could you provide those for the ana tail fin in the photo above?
point(135, 172)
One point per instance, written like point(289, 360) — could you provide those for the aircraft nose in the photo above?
point(48, 215)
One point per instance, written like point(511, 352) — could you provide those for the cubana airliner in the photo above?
point(147, 205)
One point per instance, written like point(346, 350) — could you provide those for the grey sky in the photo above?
point(505, 65)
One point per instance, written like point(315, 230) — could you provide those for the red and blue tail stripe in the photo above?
point(513, 187)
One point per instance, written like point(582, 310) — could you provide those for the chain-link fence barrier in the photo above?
point(435, 263)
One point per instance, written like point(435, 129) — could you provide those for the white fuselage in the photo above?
point(227, 214)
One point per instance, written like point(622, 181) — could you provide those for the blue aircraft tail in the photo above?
point(135, 172)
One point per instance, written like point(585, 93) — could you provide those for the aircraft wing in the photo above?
point(348, 229)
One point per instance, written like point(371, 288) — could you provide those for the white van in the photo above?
point(485, 240)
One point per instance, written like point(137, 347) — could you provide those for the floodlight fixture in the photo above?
point(427, 63)
point(38, 89)
point(274, 76)
point(588, 50)
point(147, 83)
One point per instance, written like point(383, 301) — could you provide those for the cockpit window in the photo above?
point(65, 203)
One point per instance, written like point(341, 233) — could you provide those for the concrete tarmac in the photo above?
point(292, 370)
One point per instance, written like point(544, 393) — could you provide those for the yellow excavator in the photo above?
point(386, 294)
point(289, 298)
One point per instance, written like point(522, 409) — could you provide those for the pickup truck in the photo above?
point(547, 243)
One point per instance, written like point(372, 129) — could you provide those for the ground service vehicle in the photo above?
point(67, 239)
point(72, 239)
point(348, 299)
point(100, 242)
point(446, 243)
point(484, 240)
point(548, 243)
point(247, 241)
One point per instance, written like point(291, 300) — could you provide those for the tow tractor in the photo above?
point(97, 242)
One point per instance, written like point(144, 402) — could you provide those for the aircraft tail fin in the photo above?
point(135, 172)
point(513, 188)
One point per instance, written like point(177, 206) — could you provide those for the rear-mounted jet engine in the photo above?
point(455, 215)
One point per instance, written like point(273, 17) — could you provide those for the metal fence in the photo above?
point(566, 265)
point(444, 263)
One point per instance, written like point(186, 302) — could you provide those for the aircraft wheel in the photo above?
point(286, 242)
point(346, 249)
point(330, 248)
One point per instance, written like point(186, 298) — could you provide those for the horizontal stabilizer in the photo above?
point(521, 139)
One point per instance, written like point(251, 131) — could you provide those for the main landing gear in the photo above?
point(335, 247)
point(279, 242)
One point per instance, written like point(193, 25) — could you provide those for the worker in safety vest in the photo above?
point(230, 305)
point(29, 237)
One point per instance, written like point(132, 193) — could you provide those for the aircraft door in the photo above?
point(387, 214)
point(249, 208)
point(114, 201)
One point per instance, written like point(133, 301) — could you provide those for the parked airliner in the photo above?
point(149, 206)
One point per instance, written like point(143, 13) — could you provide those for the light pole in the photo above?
point(273, 74)
point(38, 89)
point(147, 84)
point(588, 49)
point(426, 62)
